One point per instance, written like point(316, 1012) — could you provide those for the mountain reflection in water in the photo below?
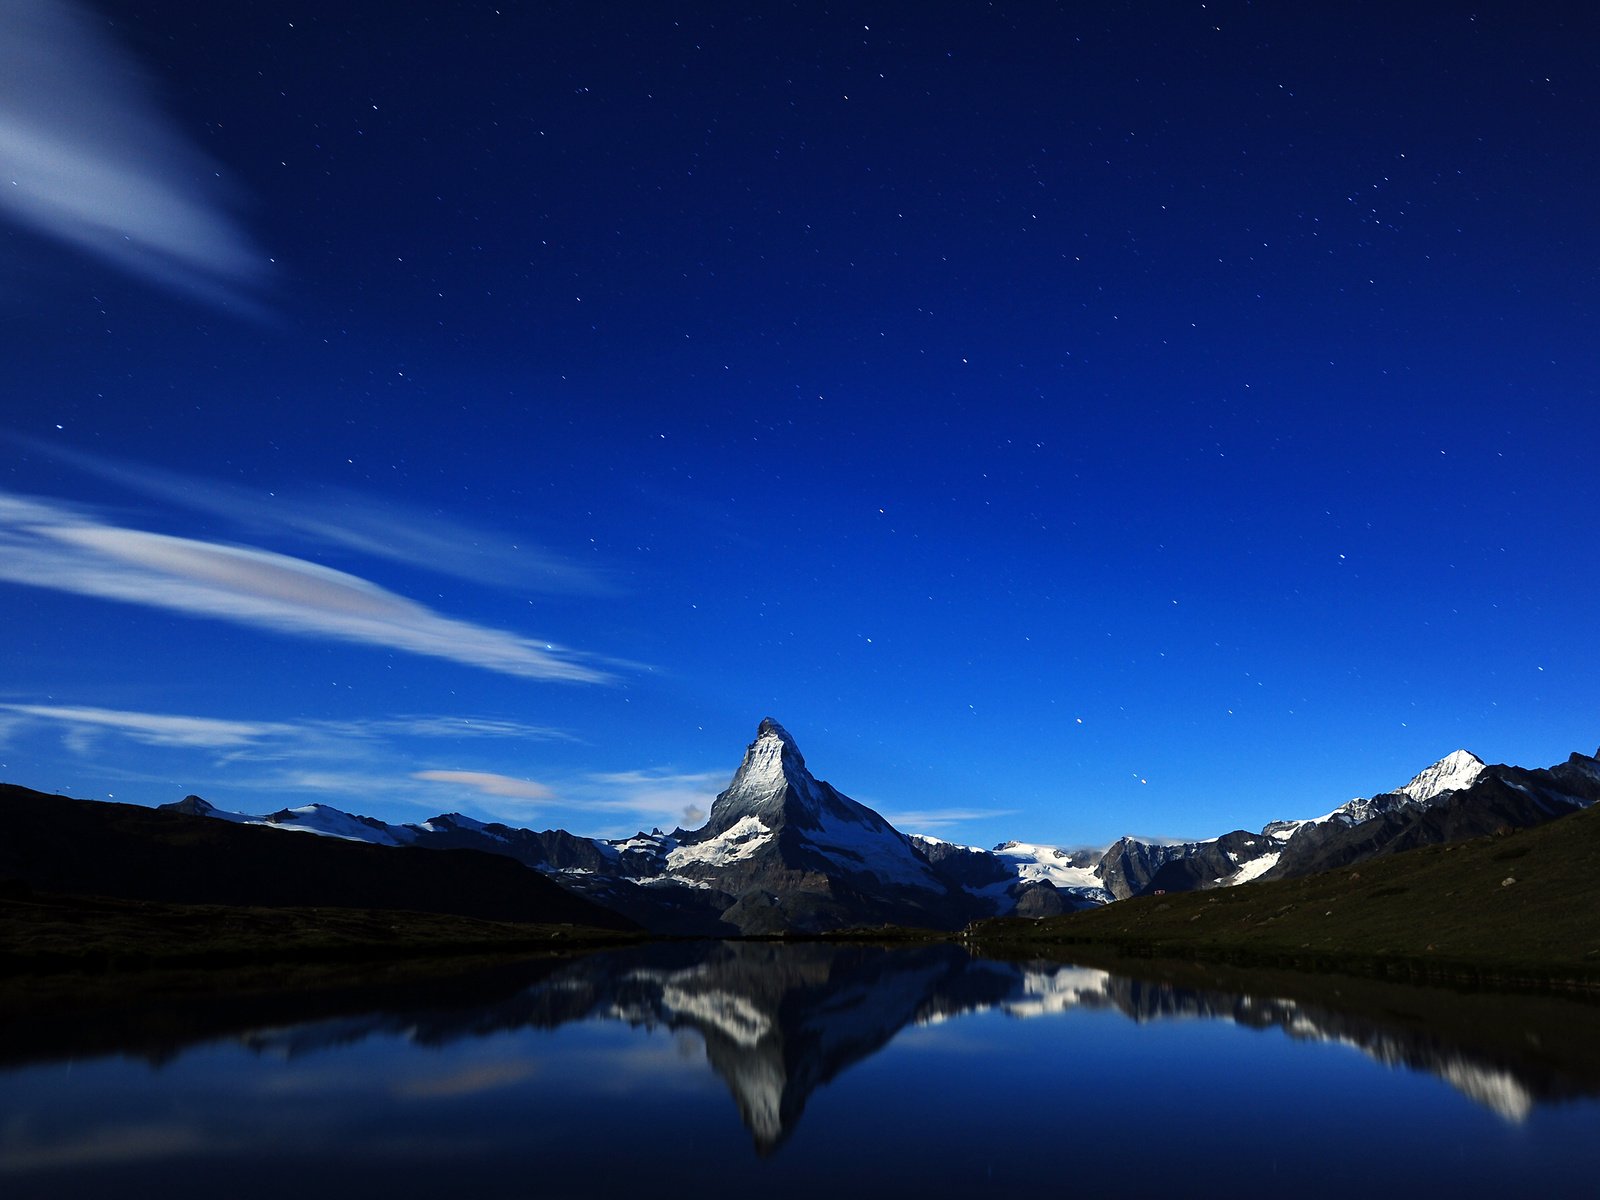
point(779, 1020)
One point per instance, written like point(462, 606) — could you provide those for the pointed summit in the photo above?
point(770, 728)
point(771, 779)
point(792, 852)
point(1454, 771)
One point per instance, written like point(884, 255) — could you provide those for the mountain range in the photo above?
point(784, 852)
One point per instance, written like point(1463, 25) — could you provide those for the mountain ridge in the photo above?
point(784, 852)
point(769, 836)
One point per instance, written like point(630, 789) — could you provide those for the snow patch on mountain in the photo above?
point(449, 822)
point(740, 840)
point(1254, 869)
point(1451, 773)
point(880, 850)
point(1051, 864)
point(331, 822)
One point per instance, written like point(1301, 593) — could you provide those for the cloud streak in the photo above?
point(158, 729)
point(353, 763)
point(487, 783)
point(661, 796)
point(349, 521)
point(651, 797)
point(46, 545)
point(273, 739)
point(452, 727)
point(921, 820)
point(87, 158)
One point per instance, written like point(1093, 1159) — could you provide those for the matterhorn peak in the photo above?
point(770, 728)
point(772, 776)
point(770, 762)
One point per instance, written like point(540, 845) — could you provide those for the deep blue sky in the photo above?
point(1069, 420)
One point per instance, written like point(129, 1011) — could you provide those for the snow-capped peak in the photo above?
point(769, 728)
point(763, 769)
point(1451, 773)
point(773, 772)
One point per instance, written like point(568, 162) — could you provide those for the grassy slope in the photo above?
point(1438, 912)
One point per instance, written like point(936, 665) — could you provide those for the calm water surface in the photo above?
point(803, 1070)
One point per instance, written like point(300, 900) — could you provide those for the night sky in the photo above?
point(1068, 420)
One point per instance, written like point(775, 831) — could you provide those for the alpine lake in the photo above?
point(813, 1069)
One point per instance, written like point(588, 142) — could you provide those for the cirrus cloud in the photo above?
point(87, 158)
point(158, 729)
point(348, 521)
point(48, 545)
point(487, 783)
point(920, 820)
point(267, 740)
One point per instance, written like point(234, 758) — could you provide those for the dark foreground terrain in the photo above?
point(45, 932)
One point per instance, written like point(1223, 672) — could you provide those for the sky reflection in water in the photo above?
point(714, 1070)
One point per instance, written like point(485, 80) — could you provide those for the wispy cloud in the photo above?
point(159, 729)
point(487, 783)
point(273, 739)
point(356, 764)
point(660, 796)
point(644, 797)
point(48, 545)
point(923, 820)
point(87, 158)
point(351, 764)
point(453, 727)
point(336, 517)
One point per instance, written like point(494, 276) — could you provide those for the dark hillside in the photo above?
point(1503, 798)
point(88, 847)
point(1523, 905)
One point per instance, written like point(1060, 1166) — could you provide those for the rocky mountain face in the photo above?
point(1496, 798)
point(783, 851)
